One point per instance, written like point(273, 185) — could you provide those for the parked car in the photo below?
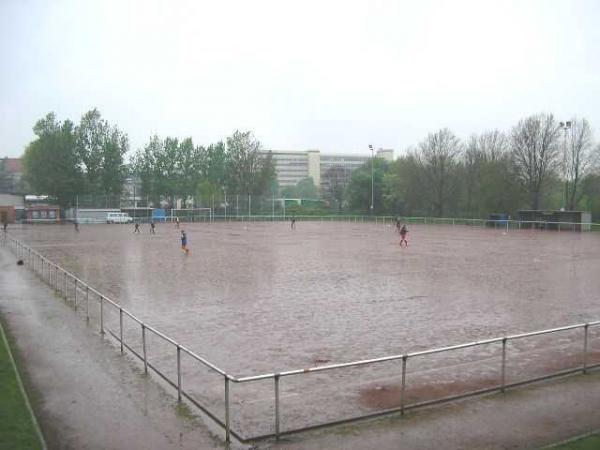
point(118, 218)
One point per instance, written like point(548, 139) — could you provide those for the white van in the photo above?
point(118, 217)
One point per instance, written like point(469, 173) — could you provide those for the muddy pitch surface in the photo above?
point(259, 297)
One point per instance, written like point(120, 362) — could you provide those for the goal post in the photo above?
point(191, 215)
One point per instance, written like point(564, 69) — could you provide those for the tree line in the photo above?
point(169, 168)
point(66, 160)
point(539, 163)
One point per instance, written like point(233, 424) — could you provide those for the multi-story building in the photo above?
point(11, 176)
point(293, 166)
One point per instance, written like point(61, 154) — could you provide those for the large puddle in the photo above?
point(260, 297)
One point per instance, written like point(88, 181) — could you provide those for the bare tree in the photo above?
point(577, 159)
point(438, 155)
point(492, 145)
point(472, 159)
point(483, 151)
point(535, 150)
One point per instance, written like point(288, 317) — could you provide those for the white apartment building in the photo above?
point(293, 166)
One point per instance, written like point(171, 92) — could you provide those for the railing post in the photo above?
point(144, 348)
point(403, 388)
point(101, 315)
point(276, 381)
point(585, 346)
point(227, 425)
point(87, 303)
point(178, 373)
point(503, 371)
point(121, 328)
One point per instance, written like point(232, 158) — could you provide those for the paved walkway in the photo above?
point(88, 396)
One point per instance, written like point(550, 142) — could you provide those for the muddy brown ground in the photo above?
point(259, 297)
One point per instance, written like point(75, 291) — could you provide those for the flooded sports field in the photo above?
point(257, 298)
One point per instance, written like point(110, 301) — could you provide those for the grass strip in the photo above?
point(18, 426)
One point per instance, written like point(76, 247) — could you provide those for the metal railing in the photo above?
point(390, 220)
point(356, 218)
point(82, 294)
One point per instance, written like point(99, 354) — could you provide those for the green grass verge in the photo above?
point(17, 429)
point(586, 443)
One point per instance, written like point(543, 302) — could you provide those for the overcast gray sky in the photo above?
point(332, 75)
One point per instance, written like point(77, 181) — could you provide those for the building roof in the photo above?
point(11, 200)
point(13, 165)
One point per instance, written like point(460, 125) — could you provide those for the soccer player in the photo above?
point(137, 228)
point(293, 223)
point(177, 222)
point(152, 227)
point(76, 225)
point(403, 232)
point(184, 242)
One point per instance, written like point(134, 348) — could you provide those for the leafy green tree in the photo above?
point(590, 201)
point(90, 137)
point(335, 183)
point(403, 191)
point(207, 192)
point(113, 171)
point(307, 188)
point(249, 171)
point(101, 150)
point(144, 167)
point(189, 167)
point(267, 176)
point(304, 188)
point(51, 163)
point(359, 188)
point(487, 174)
point(6, 181)
point(214, 164)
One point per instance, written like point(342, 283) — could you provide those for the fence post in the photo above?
point(403, 388)
point(503, 372)
point(121, 328)
point(101, 315)
point(276, 380)
point(227, 428)
point(585, 346)
point(144, 348)
point(178, 373)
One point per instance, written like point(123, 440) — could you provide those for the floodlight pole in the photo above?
point(565, 126)
point(372, 172)
point(225, 194)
